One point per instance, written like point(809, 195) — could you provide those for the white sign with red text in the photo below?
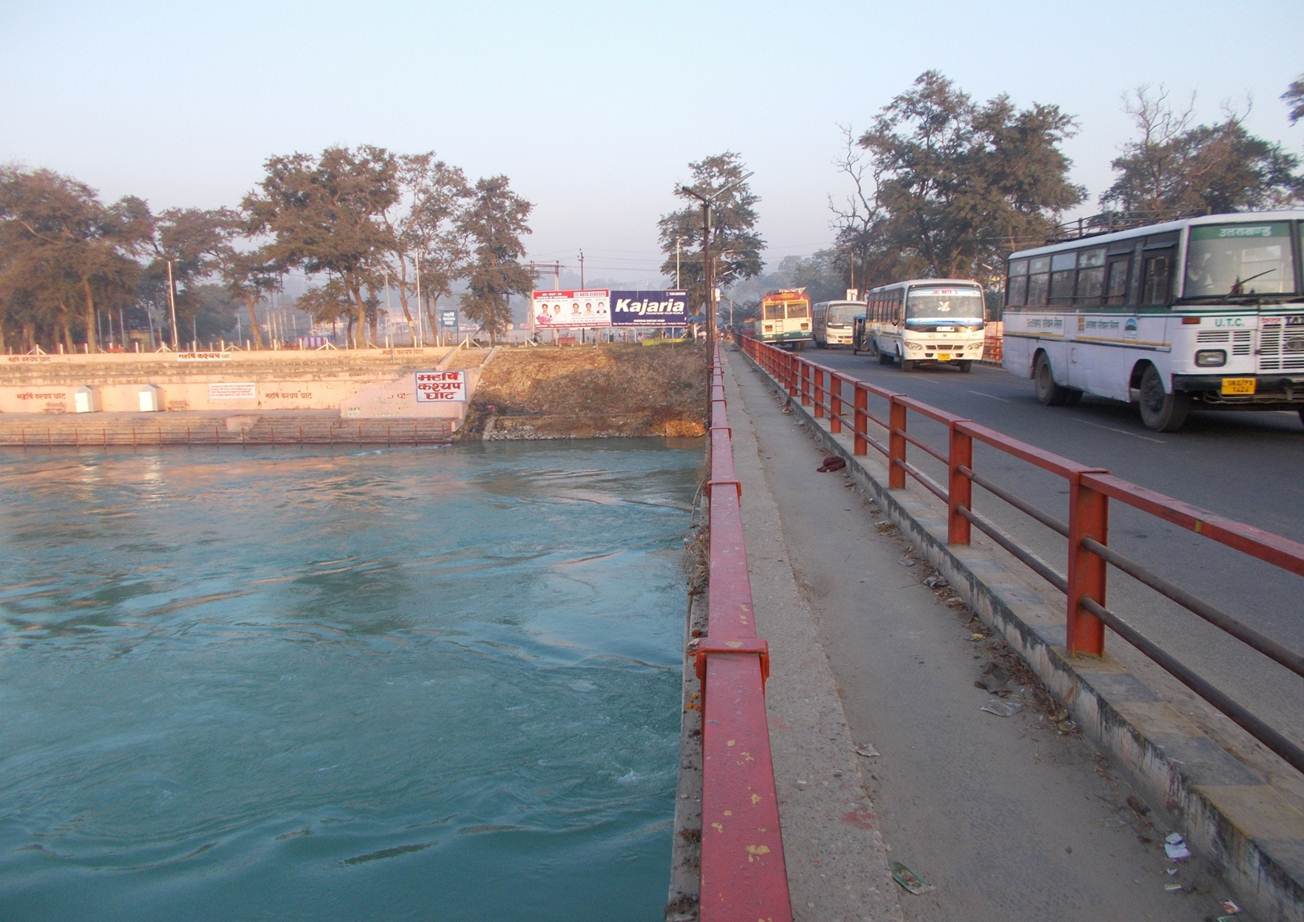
point(440, 387)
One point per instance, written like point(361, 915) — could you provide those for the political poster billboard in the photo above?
point(559, 310)
point(649, 308)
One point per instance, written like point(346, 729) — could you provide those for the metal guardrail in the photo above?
point(744, 876)
point(1091, 491)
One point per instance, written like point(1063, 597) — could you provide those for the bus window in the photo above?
point(796, 309)
point(1239, 259)
point(1038, 279)
point(1116, 278)
point(774, 311)
point(1062, 267)
point(1091, 276)
point(1157, 276)
point(1016, 285)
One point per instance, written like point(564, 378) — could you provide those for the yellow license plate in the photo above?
point(944, 356)
point(1238, 385)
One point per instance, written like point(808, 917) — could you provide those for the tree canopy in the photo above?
point(959, 183)
point(734, 243)
point(1173, 168)
point(495, 222)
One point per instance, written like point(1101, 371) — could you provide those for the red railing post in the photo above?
point(818, 375)
point(896, 450)
point(807, 379)
point(835, 404)
point(790, 373)
point(959, 490)
point(1088, 518)
point(860, 426)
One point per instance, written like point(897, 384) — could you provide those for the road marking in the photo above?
point(993, 396)
point(1144, 438)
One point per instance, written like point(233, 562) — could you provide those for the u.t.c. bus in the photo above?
point(785, 318)
point(831, 322)
point(1205, 312)
point(923, 320)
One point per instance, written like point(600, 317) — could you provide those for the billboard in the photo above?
point(649, 308)
point(558, 310)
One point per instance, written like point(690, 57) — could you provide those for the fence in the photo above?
point(743, 872)
point(1091, 490)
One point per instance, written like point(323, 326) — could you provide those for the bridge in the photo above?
point(941, 735)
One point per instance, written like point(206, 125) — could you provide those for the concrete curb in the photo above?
point(1249, 828)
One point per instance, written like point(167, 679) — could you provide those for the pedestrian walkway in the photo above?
point(885, 747)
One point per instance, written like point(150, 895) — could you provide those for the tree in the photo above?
point(858, 220)
point(58, 227)
point(1294, 97)
point(1175, 169)
point(734, 244)
point(198, 244)
point(431, 232)
point(962, 183)
point(494, 222)
point(328, 214)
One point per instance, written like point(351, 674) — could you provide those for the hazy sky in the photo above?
point(593, 109)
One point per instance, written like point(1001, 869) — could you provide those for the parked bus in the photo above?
point(923, 320)
point(1200, 312)
point(785, 318)
point(831, 322)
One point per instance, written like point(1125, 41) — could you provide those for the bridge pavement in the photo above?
point(881, 750)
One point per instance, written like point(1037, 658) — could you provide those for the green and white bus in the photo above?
point(1201, 312)
point(923, 320)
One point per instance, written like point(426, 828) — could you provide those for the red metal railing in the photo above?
point(1090, 492)
point(744, 877)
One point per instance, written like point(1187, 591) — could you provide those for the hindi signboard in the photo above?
point(649, 308)
point(232, 390)
point(557, 310)
point(440, 386)
point(203, 356)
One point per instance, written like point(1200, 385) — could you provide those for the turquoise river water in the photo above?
point(416, 683)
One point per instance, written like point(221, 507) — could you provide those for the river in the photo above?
point(406, 683)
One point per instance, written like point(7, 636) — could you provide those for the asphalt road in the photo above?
point(1246, 466)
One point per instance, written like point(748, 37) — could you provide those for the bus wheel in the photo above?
point(1160, 411)
point(965, 365)
point(906, 364)
point(1048, 392)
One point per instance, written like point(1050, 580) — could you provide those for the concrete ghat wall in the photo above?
point(238, 382)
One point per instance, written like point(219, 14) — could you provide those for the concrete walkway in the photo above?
point(882, 751)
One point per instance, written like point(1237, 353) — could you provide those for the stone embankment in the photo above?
point(608, 391)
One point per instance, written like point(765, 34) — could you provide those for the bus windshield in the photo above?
point(944, 304)
point(1239, 259)
point(845, 313)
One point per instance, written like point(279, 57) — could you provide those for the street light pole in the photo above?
point(707, 201)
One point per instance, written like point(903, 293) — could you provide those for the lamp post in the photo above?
point(707, 201)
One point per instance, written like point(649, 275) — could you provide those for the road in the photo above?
point(1246, 466)
point(1005, 818)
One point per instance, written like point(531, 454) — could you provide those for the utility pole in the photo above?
point(172, 305)
point(421, 328)
point(581, 268)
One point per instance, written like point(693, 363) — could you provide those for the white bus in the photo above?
point(923, 320)
point(1200, 312)
point(831, 322)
